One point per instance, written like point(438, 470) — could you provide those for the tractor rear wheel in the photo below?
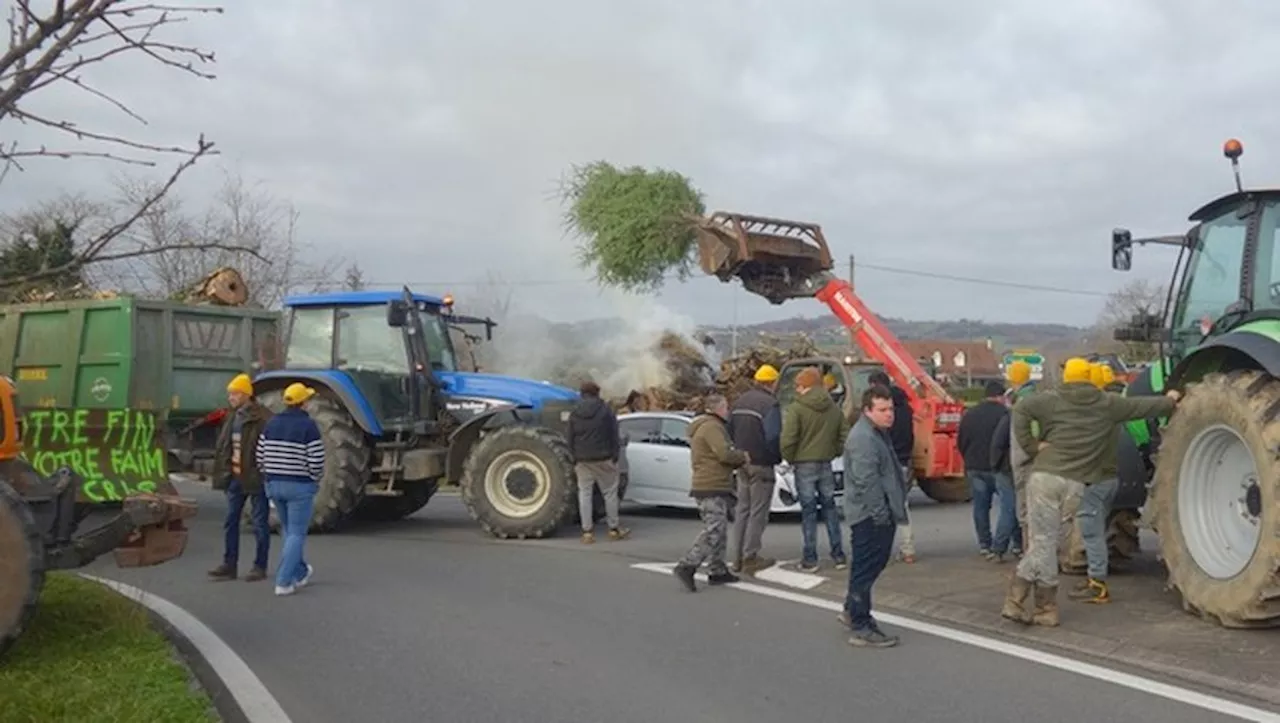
point(21, 565)
point(518, 481)
point(946, 490)
point(346, 461)
point(375, 508)
point(1217, 506)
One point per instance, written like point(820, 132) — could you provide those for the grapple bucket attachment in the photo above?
point(160, 532)
point(776, 259)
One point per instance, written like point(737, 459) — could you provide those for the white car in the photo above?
point(657, 454)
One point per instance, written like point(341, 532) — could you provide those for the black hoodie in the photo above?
point(592, 431)
point(902, 433)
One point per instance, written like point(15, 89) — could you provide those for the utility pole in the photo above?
point(850, 271)
point(733, 344)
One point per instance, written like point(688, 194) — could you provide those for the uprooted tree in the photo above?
point(56, 45)
point(635, 225)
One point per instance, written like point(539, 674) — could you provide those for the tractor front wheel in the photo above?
point(346, 461)
point(946, 490)
point(1217, 507)
point(518, 481)
point(21, 565)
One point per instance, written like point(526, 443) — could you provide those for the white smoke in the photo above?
point(619, 352)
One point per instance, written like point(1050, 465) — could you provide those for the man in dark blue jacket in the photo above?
point(291, 458)
point(755, 424)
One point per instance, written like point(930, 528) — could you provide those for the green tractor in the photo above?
point(1214, 466)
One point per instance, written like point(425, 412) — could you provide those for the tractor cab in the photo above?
point(391, 346)
point(1227, 273)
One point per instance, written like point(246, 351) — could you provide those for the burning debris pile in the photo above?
point(693, 375)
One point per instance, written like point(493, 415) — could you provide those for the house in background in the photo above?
point(958, 363)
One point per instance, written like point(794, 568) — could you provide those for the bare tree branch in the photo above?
point(94, 250)
point(51, 48)
point(1136, 297)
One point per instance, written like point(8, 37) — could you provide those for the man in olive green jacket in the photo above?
point(813, 434)
point(1077, 424)
point(713, 459)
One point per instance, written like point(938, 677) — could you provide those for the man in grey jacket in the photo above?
point(875, 504)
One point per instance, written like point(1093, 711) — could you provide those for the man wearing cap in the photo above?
point(291, 458)
point(978, 429)
point(755, 424)
point(713, 459)
point(235, 471)
point(1078, 425)
point(813, 432)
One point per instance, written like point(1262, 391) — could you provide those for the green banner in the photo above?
point(118, 452)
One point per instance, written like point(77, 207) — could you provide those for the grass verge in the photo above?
point(91, 655)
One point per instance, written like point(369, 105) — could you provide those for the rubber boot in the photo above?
point(1015, 601)
point(1046, 612)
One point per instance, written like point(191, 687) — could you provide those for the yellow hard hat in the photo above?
point(1076, 370)
point(297, 393)
point(242, 384)
point(766, 373)
point(829, 381)
point(1101, 375)
point(1018, 373)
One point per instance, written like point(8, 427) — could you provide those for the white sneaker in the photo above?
point(286, 589)
point(305, 578)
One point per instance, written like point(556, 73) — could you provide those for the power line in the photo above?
point(671, 277)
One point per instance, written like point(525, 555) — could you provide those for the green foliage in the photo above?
point(40, 246)
point(92, 655)
point(635, 224)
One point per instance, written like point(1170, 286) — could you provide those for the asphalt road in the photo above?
point(428, 619)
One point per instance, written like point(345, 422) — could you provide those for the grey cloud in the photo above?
point(425, 139)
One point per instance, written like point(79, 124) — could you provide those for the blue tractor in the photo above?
point(399, 419)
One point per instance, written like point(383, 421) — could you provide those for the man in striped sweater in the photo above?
point(291, 458)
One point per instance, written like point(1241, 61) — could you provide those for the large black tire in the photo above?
point(1196, 474)
point(22, 565)
point(518, 481)
point(947, 491)
point(346, 461)
point(374, 508)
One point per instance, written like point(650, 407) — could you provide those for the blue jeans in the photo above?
point(871, 545)
point(987, 486)
point(231, 525)
point(816, 485)
point(1095, 508)
point(294, 501)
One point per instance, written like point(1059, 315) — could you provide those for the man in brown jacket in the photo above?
point(235, 471)
point(714, 459)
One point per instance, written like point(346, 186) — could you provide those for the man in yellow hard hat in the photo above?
point(1077, 422)
point(1018, 374)
point(755, 425)
point(235, 471)
point(291, 457)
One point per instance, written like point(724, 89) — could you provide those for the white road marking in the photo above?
point(1097, 672)
point(255, 700)
point(798, 580)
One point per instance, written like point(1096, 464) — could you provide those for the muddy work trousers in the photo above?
point(711, 542)
point(1047, 495)
point(755, 497)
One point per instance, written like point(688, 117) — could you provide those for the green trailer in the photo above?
point(106, 385)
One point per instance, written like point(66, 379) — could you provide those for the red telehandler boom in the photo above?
point(783, 260)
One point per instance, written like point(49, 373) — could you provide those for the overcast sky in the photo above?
point(999, 140)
